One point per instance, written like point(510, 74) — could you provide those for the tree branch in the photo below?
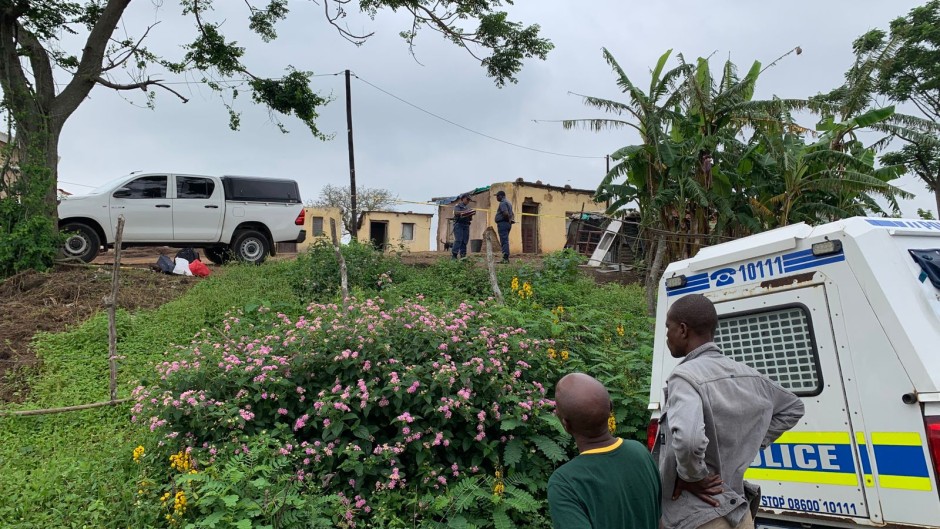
point(130, 53)
point(15, 84)
point(142, 85)
point(358, 40)
point(43, 81)
point(442, 25)
point(91, 63)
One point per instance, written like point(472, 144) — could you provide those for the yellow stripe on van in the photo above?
point(822, 438)
point(802, 476)
point(860, 438)
point(905, 483)
point(896, 438)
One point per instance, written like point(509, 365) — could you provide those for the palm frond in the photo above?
point(597, 124)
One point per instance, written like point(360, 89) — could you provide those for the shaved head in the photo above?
point(697, 312)
point(690, 323)
point(583, 405)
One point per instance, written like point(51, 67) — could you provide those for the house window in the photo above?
point(317, 226)
point(778, 343)
point(408, 231)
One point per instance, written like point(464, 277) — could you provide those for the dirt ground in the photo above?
point(32, 302)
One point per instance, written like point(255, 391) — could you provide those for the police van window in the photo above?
point(193, 187)
point(778, 343)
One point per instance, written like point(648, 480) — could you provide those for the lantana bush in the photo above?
point(405, 415)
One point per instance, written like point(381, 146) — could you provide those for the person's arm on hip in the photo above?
point(687, 426)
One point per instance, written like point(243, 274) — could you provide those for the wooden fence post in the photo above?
point(488, 236)
point(111, 303)
point(343, 277)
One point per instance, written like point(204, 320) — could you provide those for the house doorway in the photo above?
point(530, 226)
point(378, 234)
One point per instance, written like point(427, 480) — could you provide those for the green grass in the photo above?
point(74, 469)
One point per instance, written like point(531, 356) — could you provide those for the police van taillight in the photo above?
point(932, 426)
point(651, 431)
point(300, 217)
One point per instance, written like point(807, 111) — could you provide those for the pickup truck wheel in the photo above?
point(250, 246)
point(219, 256)
point(81, 242)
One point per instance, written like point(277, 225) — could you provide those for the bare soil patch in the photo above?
point(54, 301)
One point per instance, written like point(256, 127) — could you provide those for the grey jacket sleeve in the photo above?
point(687, 428)
point(788, 410)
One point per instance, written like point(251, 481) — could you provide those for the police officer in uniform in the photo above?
point(505, 218)
point(463, 215)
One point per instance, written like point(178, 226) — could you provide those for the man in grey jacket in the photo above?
point(719, 414)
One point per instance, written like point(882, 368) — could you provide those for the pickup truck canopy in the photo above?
point(252, 189)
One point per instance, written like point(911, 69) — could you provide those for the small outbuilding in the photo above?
point(395, 230)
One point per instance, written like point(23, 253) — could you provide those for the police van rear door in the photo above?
point(815, 467)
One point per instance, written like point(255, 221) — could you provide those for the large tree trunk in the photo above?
point(38, 114)
point(37, 143)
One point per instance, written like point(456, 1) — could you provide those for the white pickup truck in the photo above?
point(229, 217)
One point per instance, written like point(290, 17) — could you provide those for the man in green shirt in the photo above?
point(612, 484)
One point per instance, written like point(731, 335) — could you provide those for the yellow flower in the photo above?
point(515, 284)
point(525, 291)
point(181, 461)
point(138, 453)
point(612, 423)
point(564, 355)
point(499, 488)
point(620, 331)
point(551, 353)
point(560, 309)
point(165, 497)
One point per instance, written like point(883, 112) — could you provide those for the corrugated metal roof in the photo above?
point(440, 201)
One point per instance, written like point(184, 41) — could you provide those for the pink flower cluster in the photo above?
point(367, 387)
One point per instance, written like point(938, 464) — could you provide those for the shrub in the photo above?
point(315, 274)
point(384, 406)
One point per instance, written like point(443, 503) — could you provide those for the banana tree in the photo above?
point(641, 171)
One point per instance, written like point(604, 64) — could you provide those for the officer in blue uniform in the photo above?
point(505, 218)
point(463, 215)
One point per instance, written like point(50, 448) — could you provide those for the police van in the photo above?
point(847, 316)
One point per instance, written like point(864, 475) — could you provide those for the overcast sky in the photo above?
point(418, 156)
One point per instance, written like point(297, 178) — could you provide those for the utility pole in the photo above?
point(352, 162)
point(607, 157)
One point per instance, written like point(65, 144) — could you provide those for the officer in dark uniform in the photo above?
point(505, 218)
point(463, 216)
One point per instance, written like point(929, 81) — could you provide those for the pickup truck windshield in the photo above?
point(109, 185)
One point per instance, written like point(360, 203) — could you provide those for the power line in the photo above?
point(478, 133)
